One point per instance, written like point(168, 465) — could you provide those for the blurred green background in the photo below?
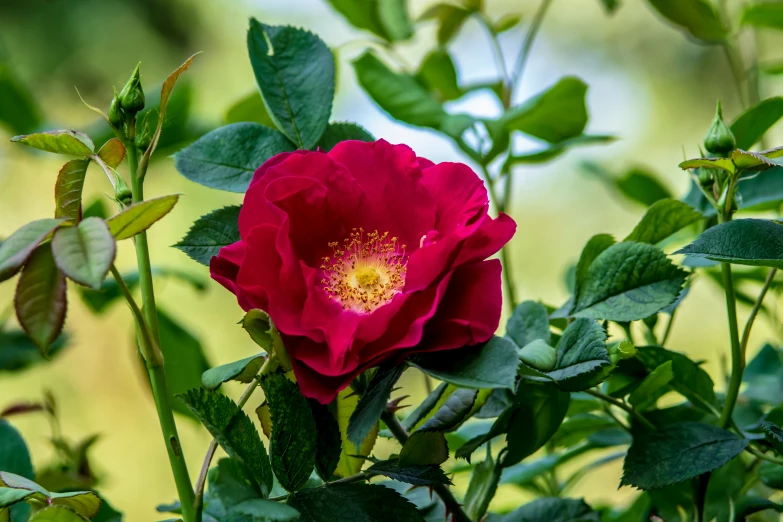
point(649, 86)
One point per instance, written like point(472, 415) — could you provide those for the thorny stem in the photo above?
point(623, 406)
point(401, 434)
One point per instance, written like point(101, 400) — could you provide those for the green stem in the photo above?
point(401, 434)
point(756, 453)
point(155, 369)
point(623, 406)
point(500, 61)
point(668, 330)
point(527, 45)
point(755, 311)
point(737, 356)
point(700, 485)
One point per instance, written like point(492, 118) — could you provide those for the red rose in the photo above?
point(364, 254)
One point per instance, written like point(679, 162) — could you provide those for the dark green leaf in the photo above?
point(650, 388)
point(242, 371)
point(628, 281)
point(68, 190)
point(424, 448)
point(453, 411)
point(398, 94)
point(295, 71)
point(696, 17)
point(539, 411)
point(756, 242)
point(18, 352)
point(210, 233)
point(450, 19)
point(771, 475)
point(372, 403)
point(552, 510)
point(385, 18)
point(354, 503)
point(637, 184)
point(555, 115)
point(579, 427)
point(85, 252)
point(40, 299)
point(592, 249)
point(251, 109)
point(292, 445)
point(140, 216)
point(662, 219)
point(581, 353)
point(482, 488)
point(417, 475)
point(438, 74)
point(491, 365)
point(227, 157)
point(752, 124)
point(68, 142)
point(764, 14)
point(328, 444)
point(267, 510)
point(678, 452)
point(610, 5)
point(530, 321)
point(14, 456)
point(15, 250)
point(425, 407)
point(232, 483)
point(234, 431)
point(393, 15)
point(774, 435)
point(18, 111)
point(690, 380)
point(342, 131)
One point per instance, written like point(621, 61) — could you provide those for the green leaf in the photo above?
point(581, 354)
point(351, 460)
point(251, 109)
point(18, 352)
point(648, 391)
point(227, 157)
point(555, 150)
point(385, 18)
point(529, 322)
point(232, 483)
point(424, 448)
point(18, 111)
point(165, 96)
point(9, 497)
point(755, 242)
point(242, 371)
point(577, 428)
point(354, 503)
point(342, 131)
point(539, 411)
point(85, 503)
point(210, 233)
point(40, 298)
point(112, 152)
point(592, 249)
point(555, 115)
point(68, 142)
point(491, 365)
point(539, 355)
point(15, 250)
point(184, 359)
point(328, 444)
point(14, 455)
point(709, 163)
point(140, 216)
point(234, 431)
point(610, 5)
point(57, 514)
point(450, 19)
point(764, 14)
point(628, 281)
point(426, 407)
point(481, 488)
point(664, 218)
point(678, 452)
point(553, 510)
point(293, 440)
point(394, 18)
point(749, 505)
point(295, 71)
point(774, 435)
point(372, 403)
point(259, 327)
point(68, 190)
point(267, 510)
point(696, 17)
point(690, 379)
point(752, 124)
point(85, 252)
point(416, 475)
point(399, 94)
point(438, 74)
point(453, 412)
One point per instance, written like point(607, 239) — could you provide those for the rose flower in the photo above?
point(366, 254)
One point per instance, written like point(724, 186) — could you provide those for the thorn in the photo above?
point(394, 405)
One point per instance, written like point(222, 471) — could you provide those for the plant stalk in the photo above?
point(443, 491)
point(737, 355)
point(527, 45)
point(623, 406)
point(755, 311)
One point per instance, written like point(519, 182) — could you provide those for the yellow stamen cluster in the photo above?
point(365, 271)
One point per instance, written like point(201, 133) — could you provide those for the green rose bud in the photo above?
point(620, 351)
point(116, 116)
point(143, 139)
point(719, 139)
point(132, 95)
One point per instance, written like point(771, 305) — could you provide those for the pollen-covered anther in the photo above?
point(365, 271)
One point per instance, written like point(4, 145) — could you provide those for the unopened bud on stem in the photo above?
point(132, 95)
point(719, 139)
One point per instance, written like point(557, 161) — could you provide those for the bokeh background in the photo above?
point(649, 86)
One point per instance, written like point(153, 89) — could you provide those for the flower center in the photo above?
point(366, 270)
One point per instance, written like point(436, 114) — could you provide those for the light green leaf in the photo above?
point(295, 71)
point(68, 190)
point(385, 18)
point(539, 355)
point(350, 462)
point(755, 242)
point(85, 252)
point(68, 142)
point(555, 150)
point(15, 250)
point(450, 19)
point(424, 448)
point(649, 389)
point(227, 157)
point(528, 323)
point(764, 14)
point(555, 115)
point(399, 94)
point(690, 379)
point(752, 124)
point(628, 281)
point(57, 514)
point(709, 163)
point(678, 452)
point(140, 216)
point(662, 219)
point(438, 74)
point(696, 17)
point(243, 371)
point(481, 489)
point(342, 131)
point(40, 298)
point(210, 233)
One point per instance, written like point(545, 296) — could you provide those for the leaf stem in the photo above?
point(756, 453)
point(737, 354)
point(527, 45)
point(700, 485)
point(500, 61)
point(668, 330)
point(401, 434)
point(623, 406)
point(755, 311)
